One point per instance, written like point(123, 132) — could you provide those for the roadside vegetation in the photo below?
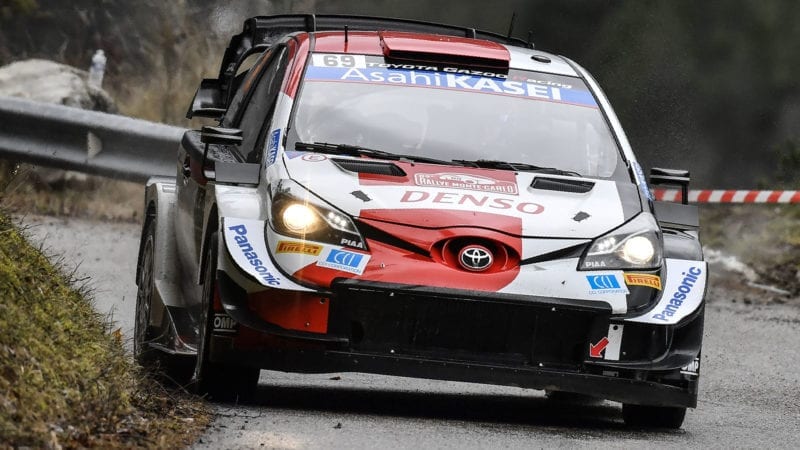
point(24, 191)
point(766, 238)
point(65, 379)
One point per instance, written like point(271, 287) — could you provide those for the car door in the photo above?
point(192, 184)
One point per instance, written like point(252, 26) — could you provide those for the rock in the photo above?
point(51, 82)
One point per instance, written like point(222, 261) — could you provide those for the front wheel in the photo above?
point(217, 381)
point(641, 416)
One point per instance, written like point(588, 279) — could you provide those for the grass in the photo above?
point(23, 190)
point(65, 379)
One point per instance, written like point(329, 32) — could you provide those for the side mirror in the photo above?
point(207, 101)
point(672, 177)
point(226, 170)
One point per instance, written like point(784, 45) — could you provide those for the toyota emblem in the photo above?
point(475, 258)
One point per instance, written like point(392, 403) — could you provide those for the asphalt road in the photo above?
point(749, 393)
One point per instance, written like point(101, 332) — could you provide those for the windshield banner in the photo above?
point(528, 88)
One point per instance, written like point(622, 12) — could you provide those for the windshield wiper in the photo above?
point(354, 150)
point(519, 167)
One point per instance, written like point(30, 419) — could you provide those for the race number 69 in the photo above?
point(339, 60)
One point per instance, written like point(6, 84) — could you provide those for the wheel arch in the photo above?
point(212, 223)
point(159, 206)
point(149, 217)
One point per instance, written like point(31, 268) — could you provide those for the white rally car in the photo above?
point(415, 199)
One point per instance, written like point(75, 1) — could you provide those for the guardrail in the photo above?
point(87, 141)
point(728, 196)
point(133, 149)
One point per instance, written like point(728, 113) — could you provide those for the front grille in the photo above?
point(459, 328)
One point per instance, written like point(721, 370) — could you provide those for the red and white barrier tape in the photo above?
point(723, 196)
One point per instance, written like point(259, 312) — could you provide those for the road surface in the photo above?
point(749, 392)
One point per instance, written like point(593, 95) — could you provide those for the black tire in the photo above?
point(142, 332)
point(219, 382)
point(168, 368)
point(640, 416)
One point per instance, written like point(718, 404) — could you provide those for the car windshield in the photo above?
point(525, 117)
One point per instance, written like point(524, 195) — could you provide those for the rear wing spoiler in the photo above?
point(259, 33)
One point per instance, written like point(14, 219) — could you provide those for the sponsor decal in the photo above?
point(344, 260)
point(471, 200)
point(244, 245)
point(338, 60)
point(304, 248)
point(595, 264)
point(605, 284)
point(642, 180)
point(609, 346)
point(272, 148)
point(693, 368)
point(690, 277)
point(643, 279)
point(351, 243)
point(223, 323)
point(314, 157)
point(464, 181)
point(451, 78)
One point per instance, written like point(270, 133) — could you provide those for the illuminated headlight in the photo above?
point(638, 250)
point(299, 218)
point(294, 211)
point(635, 245)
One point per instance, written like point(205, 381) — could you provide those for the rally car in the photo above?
point(422, 200)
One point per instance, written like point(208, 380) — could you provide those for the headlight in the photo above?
point(638, 250)
point(635, 245)
point(299, 218)
point(294, 211)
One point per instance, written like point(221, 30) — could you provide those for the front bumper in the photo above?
point(532, 342)
point(614, 388)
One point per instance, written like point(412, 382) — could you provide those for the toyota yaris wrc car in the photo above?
point(421, 200)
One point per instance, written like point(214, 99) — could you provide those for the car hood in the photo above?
point(438, 196)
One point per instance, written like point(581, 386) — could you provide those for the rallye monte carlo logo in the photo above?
point(464, 181)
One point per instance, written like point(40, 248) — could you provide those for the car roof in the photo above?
point(466, 47)
point(373, 43)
